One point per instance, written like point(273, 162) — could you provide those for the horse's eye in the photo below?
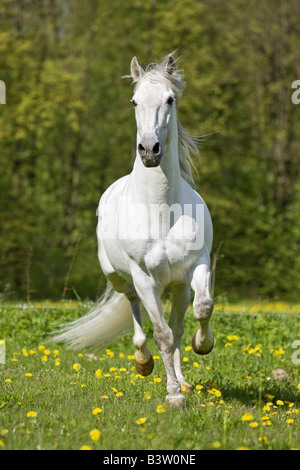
point(170, 100)
point(134, 102)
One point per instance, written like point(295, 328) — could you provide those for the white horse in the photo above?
point(154, 231)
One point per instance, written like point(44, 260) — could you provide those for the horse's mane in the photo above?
point(187, 144)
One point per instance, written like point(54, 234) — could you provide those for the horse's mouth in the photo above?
point(151, 161)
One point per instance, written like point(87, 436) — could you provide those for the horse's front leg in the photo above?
point(150, 295)
point(203, 340)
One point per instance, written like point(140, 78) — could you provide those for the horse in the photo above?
point(154, 231)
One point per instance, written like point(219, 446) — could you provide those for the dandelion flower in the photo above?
point(98, 373)
point(254, 424)
point(279, 402)
point(1, 444)
point(44, 358)
point(31, 414)
point(141, 420)
point(85, 447)
point(160, 409)
point(76, 366)
point(289, 421)
point(8, 380)
point(28, 374)
point(95, 435)
point(247, 417)
point(41, 347)
point(96, 411)
point(157, 379)
point(119, 394)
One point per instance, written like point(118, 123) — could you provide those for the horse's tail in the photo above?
point(109, 319)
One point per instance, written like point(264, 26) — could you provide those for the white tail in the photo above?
point(108, 320)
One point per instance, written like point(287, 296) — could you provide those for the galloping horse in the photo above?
point(154, 231)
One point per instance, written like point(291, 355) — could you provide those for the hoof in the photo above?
point(146, 368)
point(176, 401)
point(206, 348)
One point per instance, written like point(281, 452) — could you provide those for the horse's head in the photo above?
point(154, 108)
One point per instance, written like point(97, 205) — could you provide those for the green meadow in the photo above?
point(246, 392)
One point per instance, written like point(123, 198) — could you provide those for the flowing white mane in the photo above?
point(187, 144)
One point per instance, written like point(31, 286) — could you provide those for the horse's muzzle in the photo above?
point(150, 157)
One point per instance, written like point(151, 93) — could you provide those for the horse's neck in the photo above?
point(160, 185)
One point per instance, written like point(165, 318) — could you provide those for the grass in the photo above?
point(53, 398)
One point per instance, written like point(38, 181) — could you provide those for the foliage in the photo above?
point(68, 131)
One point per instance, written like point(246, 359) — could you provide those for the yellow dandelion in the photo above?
point(76, 366)
point(157, 379)
point(254, 424)
point(247, 417)
point(156, 357)
point(47, 352)
point(185, 359)
point(141, 420)
point(32, 351)
point(121, 355)
point(1, 443)
point(96, 411)
point(119, 394)
point(289, 421)
point(41, 347)
point(44, 358)
point(188, 348)
point(95, 435)
point(160, 409)
point(57, 362)
point(25, 352)
point(98, 373)
point(131, 357)
point(85, 447)
point(199, 387)
point(279, 402)
point(28, 374)
point(196, 364)
point(242, 448)
point(31, 414)
point(8, 380)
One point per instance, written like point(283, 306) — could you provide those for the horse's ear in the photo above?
point(171, 66)
point(136, 70)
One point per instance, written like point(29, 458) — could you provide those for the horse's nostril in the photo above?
point(156, 148)
point(141, 148)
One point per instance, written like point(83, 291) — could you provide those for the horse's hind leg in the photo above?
point(143, 359)
point(203, 340)
point(180, 301)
